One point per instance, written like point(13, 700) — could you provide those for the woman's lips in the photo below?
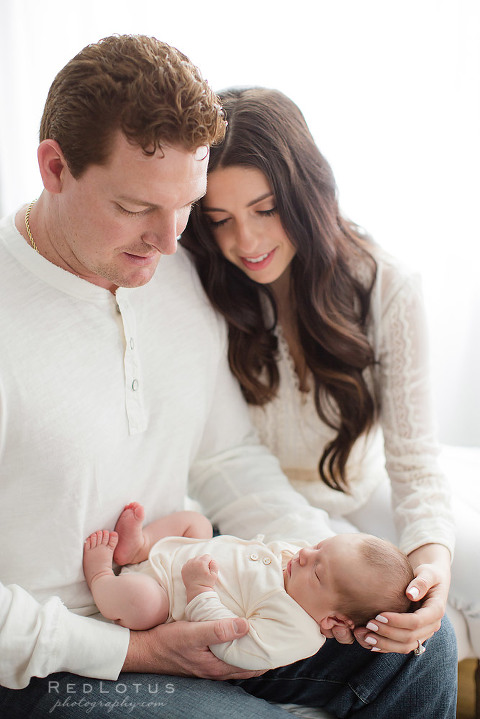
point(259, 262)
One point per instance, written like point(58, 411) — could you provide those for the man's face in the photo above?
point(117, 220)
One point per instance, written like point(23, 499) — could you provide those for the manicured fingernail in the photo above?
point(370, 640)
point(375, 649)
point(373, 627)
point(379, 618)
point(413, 593)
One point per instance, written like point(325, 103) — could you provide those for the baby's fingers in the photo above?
point(213, 567)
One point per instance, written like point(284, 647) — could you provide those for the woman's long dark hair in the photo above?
point(268, 132)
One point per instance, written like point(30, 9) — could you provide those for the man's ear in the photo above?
point(336, 620)
point(52, 165)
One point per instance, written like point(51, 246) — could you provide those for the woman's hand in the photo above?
point(391, 632)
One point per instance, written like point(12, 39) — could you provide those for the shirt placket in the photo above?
point(134, 390)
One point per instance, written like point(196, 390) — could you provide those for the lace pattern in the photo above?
point(404, 442)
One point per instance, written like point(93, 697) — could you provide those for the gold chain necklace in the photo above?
point(27, 226)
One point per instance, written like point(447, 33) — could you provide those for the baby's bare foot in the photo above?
point(98, 554)
point(131, 542)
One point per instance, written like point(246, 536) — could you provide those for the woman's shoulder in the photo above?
point(393, 276)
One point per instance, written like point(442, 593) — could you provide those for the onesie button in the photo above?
point(267, 560)
point(135, 385)
point(254, 557)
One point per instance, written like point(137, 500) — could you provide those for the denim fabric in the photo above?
point(349, 681)
point(346, 680)
point(140, 696)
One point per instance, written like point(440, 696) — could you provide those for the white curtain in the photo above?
point(391, 91)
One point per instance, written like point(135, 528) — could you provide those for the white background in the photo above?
point(390, 90)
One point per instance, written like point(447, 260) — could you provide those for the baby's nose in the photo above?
point(304, 555)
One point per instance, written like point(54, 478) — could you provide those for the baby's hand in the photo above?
point(199, 575)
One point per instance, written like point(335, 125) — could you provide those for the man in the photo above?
point(114, 385)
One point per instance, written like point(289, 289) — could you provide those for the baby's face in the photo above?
point(311, 576)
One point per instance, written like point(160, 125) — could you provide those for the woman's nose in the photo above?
point(245, 239)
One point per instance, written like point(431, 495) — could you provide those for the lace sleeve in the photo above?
point(421, 496)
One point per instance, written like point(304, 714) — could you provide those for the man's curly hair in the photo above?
point(133, 83)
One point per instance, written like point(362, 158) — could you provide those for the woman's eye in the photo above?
point(216, 223)
point(268, 213)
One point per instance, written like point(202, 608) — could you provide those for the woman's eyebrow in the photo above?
point(252, 202)
point(259, 199)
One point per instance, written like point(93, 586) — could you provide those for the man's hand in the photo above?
point(182, 649)
point(199, 575)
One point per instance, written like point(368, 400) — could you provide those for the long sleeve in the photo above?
point(239, 483)
point(39, 639)
point(280, 631)
point(421, 496)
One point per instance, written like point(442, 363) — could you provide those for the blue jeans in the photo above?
point(350, 681)
point(346, 680)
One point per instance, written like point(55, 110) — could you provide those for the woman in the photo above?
point(326, 337)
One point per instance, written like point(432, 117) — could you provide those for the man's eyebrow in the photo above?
point(198, 198)
point(250, 204)
point(153, 205)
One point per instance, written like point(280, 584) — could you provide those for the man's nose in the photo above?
point(163, 237)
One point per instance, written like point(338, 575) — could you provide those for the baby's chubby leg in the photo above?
point(135, 540)
point(132, 546)
point(132, 600)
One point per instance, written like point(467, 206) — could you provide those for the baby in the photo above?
point(289, 592)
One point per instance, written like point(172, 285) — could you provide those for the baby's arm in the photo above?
point(278, 633)
point(199, 575)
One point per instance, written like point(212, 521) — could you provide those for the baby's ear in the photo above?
point(336, 620)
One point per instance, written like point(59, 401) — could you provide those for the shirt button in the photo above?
point(132, 343)
point(267, 560)
point(119, 310)
point(254, 557)
point(135, 385)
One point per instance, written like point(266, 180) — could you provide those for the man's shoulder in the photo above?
point(176, 274)
point(177, 267)
point(177, 290)
point(9, 240)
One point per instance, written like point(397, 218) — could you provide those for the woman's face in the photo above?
point(241, 209)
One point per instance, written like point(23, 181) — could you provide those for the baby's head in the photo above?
point(349, 579)
point(374, 584)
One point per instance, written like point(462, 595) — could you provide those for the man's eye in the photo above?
point(131, 214)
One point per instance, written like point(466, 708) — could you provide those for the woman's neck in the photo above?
point(287, 318)
point(284, 298)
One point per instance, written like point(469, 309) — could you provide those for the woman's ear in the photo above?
point(336, 620)
point(52, 164)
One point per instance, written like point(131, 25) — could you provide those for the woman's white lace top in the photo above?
point(404, 443)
